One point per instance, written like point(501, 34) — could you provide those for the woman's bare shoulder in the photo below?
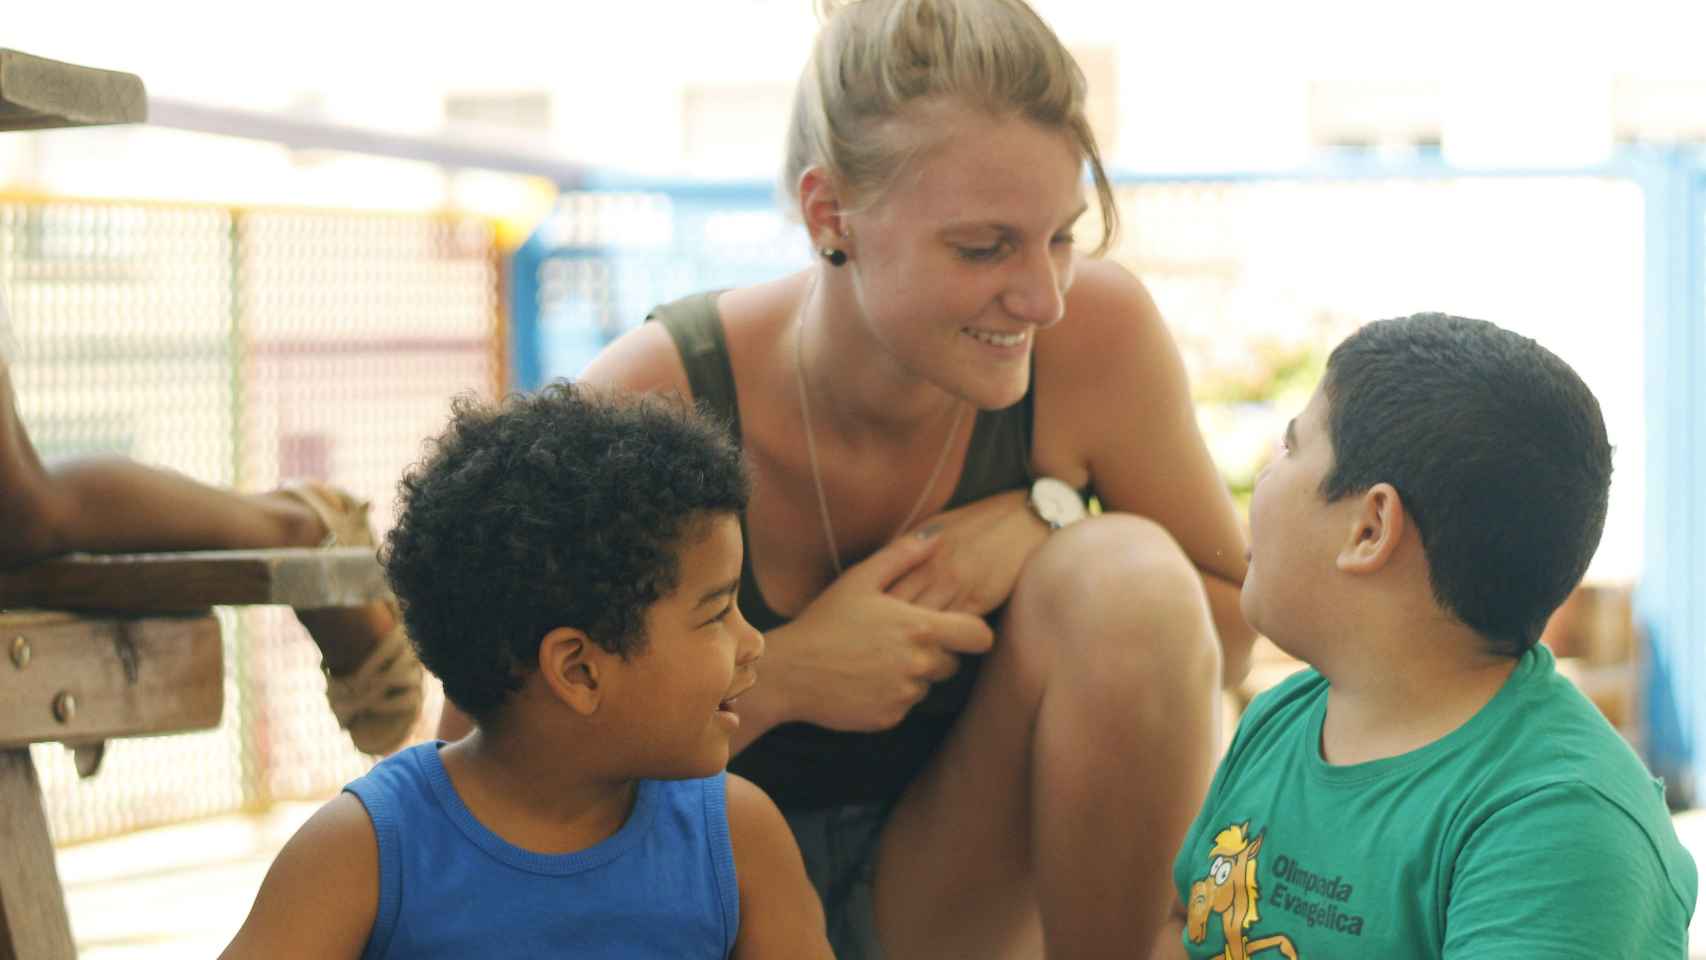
point(1106, 297)
point(762, 311)
point(1111, 328)
point(644, 359)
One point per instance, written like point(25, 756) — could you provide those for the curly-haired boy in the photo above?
point(567, 564)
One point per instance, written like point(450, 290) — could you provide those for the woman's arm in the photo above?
point(780, 915)
point(1113, 409)
point(1229, 621)
point(1112, 395)
point(856, 658)
point(321, 895)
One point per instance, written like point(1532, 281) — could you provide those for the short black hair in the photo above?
point(1498, 451)
point(563, 507)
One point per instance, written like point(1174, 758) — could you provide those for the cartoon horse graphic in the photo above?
point(1230, 890)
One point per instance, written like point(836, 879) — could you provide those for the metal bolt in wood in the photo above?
point(20, 652)
point(65, 706)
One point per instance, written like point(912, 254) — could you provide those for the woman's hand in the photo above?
point(858, 657)
point(983, 547)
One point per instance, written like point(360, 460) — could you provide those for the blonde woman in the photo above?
point(989, 718)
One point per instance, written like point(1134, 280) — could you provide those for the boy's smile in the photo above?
point(725, 710)
point(677, 696)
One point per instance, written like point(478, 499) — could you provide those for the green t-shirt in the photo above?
point(1530, 831)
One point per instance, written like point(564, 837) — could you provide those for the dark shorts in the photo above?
point(840, 848)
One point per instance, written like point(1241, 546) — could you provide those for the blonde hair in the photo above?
point(874, 60)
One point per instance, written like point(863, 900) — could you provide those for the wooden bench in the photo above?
point(39, 94)
point(97, 647)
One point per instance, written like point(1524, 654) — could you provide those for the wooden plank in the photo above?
point(37, 93)
point(33, 923)
point(79, 679)
point(304, 578)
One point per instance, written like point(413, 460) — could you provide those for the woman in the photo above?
point(948, 348)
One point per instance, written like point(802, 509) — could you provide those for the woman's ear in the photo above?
point(820, 210)
point(1376, 530)
point(574, 669)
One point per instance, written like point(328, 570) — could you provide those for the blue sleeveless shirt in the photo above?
point(661, 886)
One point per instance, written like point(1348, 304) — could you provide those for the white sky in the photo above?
point(1198, 80)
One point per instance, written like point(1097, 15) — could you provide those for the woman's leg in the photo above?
point(1052, 814)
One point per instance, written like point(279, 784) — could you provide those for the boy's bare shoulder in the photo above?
point(341, 829)
point(780, 915)
point(321, 895)
point(755, 822)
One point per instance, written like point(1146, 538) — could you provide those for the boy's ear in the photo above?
point(574, 669)
point(1376, 529)
point(820, 209)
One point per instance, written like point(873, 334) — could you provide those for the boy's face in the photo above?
point(1295, 535)
point(699, 657)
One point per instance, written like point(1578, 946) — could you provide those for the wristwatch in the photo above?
point(1056, 503)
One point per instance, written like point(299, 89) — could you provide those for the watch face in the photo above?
point(1056, 502)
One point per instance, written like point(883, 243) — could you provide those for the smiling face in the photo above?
point(676, 695)
point(1295, 535)
point(969, 253)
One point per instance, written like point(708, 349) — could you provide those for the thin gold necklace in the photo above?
point(811, 444)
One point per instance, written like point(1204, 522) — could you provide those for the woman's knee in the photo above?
point(1116, 591)
point(1114, 565)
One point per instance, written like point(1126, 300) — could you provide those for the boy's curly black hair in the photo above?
point(564, 507)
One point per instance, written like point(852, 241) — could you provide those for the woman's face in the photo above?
point(969, 253)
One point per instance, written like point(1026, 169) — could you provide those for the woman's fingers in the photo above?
point(911, 586)
point(896, 560)
point(961, 632)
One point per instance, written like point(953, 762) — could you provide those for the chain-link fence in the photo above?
point(242, 348)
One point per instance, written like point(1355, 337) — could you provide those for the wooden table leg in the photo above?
point(33, 922)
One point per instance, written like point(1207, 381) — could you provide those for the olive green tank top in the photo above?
point(800, 765)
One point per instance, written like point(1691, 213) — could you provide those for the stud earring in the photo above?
point(834, 255)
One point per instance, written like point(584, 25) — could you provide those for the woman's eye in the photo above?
point(979, 254)
point(1065, 238)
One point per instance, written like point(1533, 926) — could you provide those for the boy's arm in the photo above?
point(780, 915)
point(321, 895)
point(1563, 873)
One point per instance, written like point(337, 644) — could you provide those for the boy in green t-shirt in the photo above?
point(1431, 787)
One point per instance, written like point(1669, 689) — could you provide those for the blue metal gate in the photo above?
point(1671, 600)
